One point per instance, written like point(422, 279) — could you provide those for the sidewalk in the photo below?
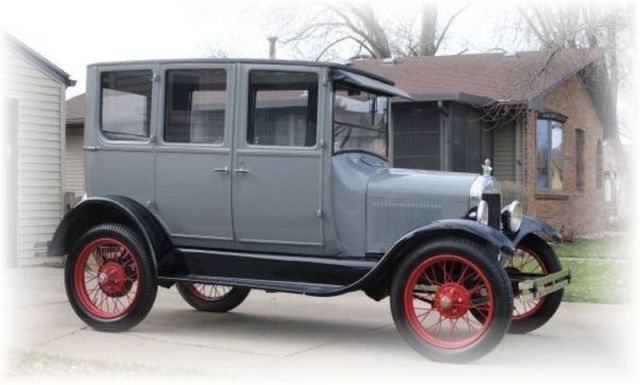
point(291, 339)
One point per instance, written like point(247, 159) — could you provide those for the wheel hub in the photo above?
point(452, 300)
point(112, 279)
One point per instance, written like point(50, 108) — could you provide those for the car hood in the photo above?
point(421, 185)
point(400, 200)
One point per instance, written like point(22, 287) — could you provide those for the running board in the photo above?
point(314, 289)
point(535, 286)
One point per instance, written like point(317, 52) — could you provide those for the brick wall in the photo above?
point(575, 213)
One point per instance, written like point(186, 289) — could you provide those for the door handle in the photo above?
point(225, 169)
point(241, 171)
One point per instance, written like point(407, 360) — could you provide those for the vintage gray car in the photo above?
point(221, 176)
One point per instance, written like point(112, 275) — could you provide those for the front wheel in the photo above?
point(109, 278)
point(213, 298)
point(436, 289)
point(534, 255)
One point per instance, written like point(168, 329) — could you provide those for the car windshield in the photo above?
point(360, 121)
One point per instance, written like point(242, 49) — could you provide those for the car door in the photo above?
point(278, 159)
point(193, 154)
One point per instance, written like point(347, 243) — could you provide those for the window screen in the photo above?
point(282, 108)
point(195, 106)
point(125, 110)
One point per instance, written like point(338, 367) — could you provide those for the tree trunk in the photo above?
point(428, 29)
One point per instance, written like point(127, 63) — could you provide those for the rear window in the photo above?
point(125, 110)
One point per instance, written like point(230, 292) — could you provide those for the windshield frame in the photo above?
point(387, 130)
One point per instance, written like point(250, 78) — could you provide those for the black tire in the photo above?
point(223, 301)
point(128, 251)
point(543, 313)
point(466, 253)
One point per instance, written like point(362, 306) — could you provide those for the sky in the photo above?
point(73, 33)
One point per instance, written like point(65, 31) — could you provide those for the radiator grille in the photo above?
point(495, 204)
point(388, 221)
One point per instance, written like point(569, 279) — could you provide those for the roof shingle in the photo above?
point(505, 78)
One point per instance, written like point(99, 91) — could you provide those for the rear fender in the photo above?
point(115, 209)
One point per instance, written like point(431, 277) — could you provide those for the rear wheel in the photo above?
point(534, 255)
point(434, 292)
point(109, 278)
point(214, 298)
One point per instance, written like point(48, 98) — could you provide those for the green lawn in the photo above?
point(600, 271)
point(597, 281)
point(612, 248)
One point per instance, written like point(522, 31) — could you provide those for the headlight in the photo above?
point(512, 216)
point(482, 213)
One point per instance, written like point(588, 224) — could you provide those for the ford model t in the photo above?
point(221, 176)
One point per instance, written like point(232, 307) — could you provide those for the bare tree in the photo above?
point(356, 29)
point(587, 25)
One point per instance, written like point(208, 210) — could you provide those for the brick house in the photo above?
point(537, 115)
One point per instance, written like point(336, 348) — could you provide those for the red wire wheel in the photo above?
point(440, 294)
point(212, 297)
point(106, 278)
point(209, 292)
point(526, 261)
point(533, 255)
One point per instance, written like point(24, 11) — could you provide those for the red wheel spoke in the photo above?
point(106, 278)
point(463, 287)
point(530, 263)
point(208, 292)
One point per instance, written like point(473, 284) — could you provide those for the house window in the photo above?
point(283, 108)
point(125, 110)
point(549, 157)
point(195, 106)
point(599, 165)
point(580, 160)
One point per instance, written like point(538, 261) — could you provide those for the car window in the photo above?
point(360, 121)
point(195, 104)
point(283, 108)
point(125, 110)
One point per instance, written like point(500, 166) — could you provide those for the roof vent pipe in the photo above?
point(272, 46)
point(389, 60)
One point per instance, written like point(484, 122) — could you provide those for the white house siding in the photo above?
point(73, 161)
point(504, 152)
point(40, 147)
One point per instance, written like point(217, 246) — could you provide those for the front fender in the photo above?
point(497, 245)
point(532, 225)
point(493, 239)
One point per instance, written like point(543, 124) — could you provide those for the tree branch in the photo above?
point(447, 26)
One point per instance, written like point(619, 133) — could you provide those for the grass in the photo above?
point(611, 248)
point(600, 270)
point(597, 281)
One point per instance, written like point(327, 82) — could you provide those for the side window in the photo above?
point(283, 108)
point(599, 164)
point(195, 106)
point(580, 143)
point(549, 156)
point(125, 104)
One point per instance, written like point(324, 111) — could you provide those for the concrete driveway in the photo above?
point(280, 338)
